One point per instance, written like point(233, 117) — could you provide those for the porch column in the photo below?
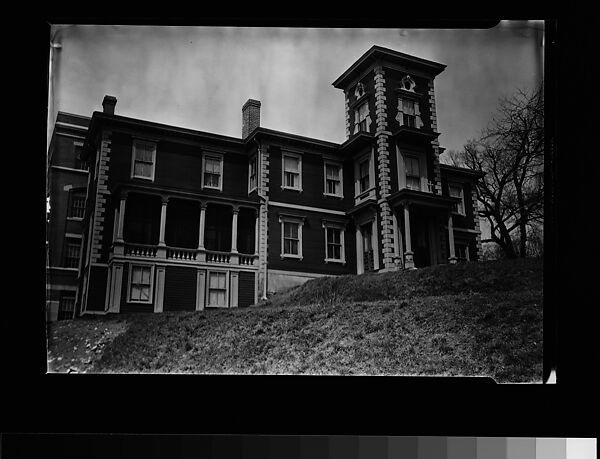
point(408, 254)
point(256, 223)
point(396, 238)
point(360, 264)
point(202, 254)
point(163, 220)
point(452, 259)
point(123, 199)
point(234, 225)
point(202, 223)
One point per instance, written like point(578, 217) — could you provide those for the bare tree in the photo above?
point(510, 152)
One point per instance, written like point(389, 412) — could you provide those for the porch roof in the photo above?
point(422, 198)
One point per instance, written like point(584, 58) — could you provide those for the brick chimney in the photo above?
point(108, 104)
point(250, 117)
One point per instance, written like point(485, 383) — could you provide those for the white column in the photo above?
point(202, 223)
point(360, 264)
point(256, 223)
point(121, 217)
point(163, 221)
point(234, 228)
point(452, 259)
point(116, 282)
point(408, 254)
point(160, 288)
point(200, 289)
point(233, 287)
point(395, 233)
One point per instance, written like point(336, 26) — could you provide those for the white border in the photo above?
point(133, 145)
point(227, 293)
point(299, 158)
point(340, 167)
point(218, 156)
point(129, 275)
point(300, 222)
point(339, 226)
point(253, 159)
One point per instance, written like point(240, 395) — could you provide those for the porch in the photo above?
point(185, 231)
point(423, 228)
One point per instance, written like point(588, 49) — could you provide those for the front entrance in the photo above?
point(420, 237)
point(368, 255)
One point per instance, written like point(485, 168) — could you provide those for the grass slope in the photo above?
point(471, 319)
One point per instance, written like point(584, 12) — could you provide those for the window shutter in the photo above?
point(419, 123)
point(400, 116)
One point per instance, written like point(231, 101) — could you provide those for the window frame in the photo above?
point(359, 196)
point(297, 156)
point(418, 160)
point(77, 144)
point(329, 225)
point(219, 157)
point(76, 193)
point(227, 288)
point(130, 278)
point(253, 160)
point(154, 146)
point(365, 120)
point(340, 169)
point(283, 219)
point(461, 187)
point(74, 241)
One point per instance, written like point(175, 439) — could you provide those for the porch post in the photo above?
point(118, 242)
point(202, 254)
point(123, 199)
point(360, 264)
point(234, 259)
point(234, 225)
point(163, 220)
point(408, 254)
point(256, 223)
point(452, 259)
point(396, 236)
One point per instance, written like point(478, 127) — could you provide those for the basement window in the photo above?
point(217, 289)
point(140, 284)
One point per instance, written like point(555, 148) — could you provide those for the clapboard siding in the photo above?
point(246, 289)
point(313, 245)
point(180, 289)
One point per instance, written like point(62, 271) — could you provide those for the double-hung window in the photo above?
point(72, 251)
point(252, 174)
point(291, 236)
point(413, 174)
point(408, 108)
point(364, 176)
point(334, 243)
point(217, 289)
point(361, 114)
point(144, 157)
point(292, 172)
point(212, 176)
point(140, 284)
point(456, 191)
point(333, 179)
point(77, 204)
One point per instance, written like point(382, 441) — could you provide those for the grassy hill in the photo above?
point(480, 319)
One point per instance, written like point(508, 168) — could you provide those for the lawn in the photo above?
point(481, 319)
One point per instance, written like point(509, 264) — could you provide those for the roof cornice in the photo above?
point(386, 54)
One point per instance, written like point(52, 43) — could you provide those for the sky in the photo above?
point(199, 77)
